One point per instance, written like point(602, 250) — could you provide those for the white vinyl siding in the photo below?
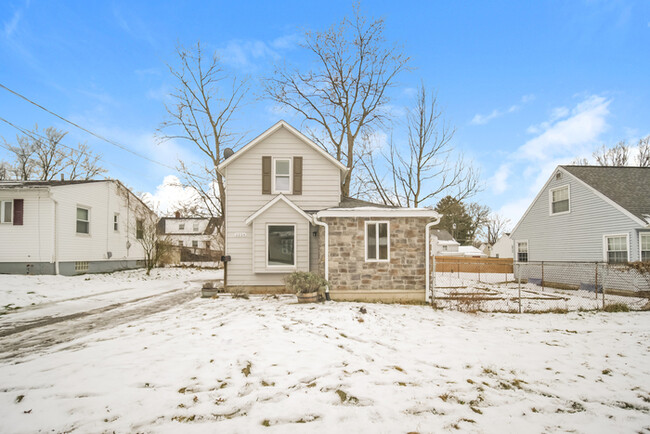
point(644, 242)
point(377, 245)
point(6, 211)
point(616, 249)
point(83, 220)
point(560, 200)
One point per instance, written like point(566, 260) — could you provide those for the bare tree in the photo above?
point(84, 164)
point(643, 157)
point(154, 244)
point(205, 99)
point(49, 160)
point(23, 167)
point(480, 216)
point(616, 156)
point(344, 96)
point(5, 171)
point(580, 162)
point(494, 228)
point(427, 168)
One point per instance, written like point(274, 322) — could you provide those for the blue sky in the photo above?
point(528, 85)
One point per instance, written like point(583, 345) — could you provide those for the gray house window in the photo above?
point(616, 249)
point(560, 200)
point(522, 251)
point(83, 220)
point(645, 247)
point(280, 245)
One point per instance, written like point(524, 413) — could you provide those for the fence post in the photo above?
point(542, 276)
point(479, 272)
point(596, 285)
point(519, 273)
point(458, 268)
point(433, 280)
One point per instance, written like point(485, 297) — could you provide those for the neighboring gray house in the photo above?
point(285, 213)
point(587, 214)
point(443, 244)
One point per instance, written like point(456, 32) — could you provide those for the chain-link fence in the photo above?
point(485, 284)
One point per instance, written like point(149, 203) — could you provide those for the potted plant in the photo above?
point(309, 287)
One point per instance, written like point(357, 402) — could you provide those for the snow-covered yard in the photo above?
point(268, 364)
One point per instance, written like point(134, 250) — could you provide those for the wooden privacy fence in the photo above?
point(462, 264)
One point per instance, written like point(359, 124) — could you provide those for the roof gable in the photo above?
point(271, 203)
point(269, 132)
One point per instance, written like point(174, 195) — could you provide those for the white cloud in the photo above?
point(499, 180)
point(480, 119)
point(170, 195)
point(247, 54)
point(11, 25)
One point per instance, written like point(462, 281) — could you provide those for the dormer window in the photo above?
point(282, 175)
point(181, 226)
point(559, 198)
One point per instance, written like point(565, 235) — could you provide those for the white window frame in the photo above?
point(627, 245)
point(290, 190)
point(76, 219)
point(116, 222)
point(550, 199)
point(195, 226)
point(266, 246)
point(2, 212)
point(197, 244)
point(641, 235)
point(181, 226)
point(517, 250)
point(365, 240)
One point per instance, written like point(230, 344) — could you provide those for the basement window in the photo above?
point(81, 266)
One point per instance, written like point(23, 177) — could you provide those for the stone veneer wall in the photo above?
point(348, 269)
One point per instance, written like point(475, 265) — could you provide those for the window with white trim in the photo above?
point(139, 229)
point(195, 227)
point(560, 200)
point(644, 242)
point(180, 244)
point(280, 245)
point(616, 249)
point(83, 220)
point(282, 175)
point(522, 251)
point(181, 226)
point(6, 211)
point(377, 241)
point(195, 243)
point(116, 222)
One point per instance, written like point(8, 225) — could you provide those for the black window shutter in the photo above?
point(266, 175)
point(297, 175)
point(18, 212)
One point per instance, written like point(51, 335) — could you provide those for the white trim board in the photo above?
point(273, 129)
point(378, 212)
point(279, 197)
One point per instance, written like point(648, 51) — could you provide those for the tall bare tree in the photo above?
point(24, 166)
point(643, 157)
point(480, 216)
point(50, 161)
point(494, 228)
point(427, 167)
point(5, 171)
point(615, 156)
point(343, 97)
point(205, 99)
point(83, 163)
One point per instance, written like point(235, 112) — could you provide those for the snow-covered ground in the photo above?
point(268, 364)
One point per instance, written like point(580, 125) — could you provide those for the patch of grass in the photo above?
point(266, 422)
point(310, 385)
point(265, 384)
point(607, 372)
point(247, 370)
point(19, 399)
point(345, 398)
point(184, 418)
point(489, 371)
point(238, 292)
point(616, 307)
point(397, 368)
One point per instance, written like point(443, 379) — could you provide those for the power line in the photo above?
point(100, 137)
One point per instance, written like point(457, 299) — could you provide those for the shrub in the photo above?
point(208, 285)
point(616, 307)
point(239, 292)
point(302, 282)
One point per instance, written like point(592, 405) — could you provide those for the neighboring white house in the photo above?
point(285, 212)
point(192, 232)
point(501, 249)
point(443, 244)
point(471, 252)
point(69, 227)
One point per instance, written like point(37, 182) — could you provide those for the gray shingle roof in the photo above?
point(629, 187)
point(351, 202)
point(18, 184)
point(442, 235)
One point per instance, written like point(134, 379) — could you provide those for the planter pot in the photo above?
point(308, 297)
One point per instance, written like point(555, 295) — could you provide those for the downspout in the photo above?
point(324, 225)
point(55, 247)
point(429, 292)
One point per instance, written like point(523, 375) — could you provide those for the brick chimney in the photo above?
point(177, 214)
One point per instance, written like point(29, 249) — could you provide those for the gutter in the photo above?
point(315, 220)
point(427, 230)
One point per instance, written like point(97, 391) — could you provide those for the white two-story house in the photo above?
point(70, 227)
point(284, 212)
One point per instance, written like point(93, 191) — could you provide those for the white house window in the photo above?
point(644, 241)
point(616, 249)
point(6, 211)
point(522, 251)
point(281, 243)
point(139, 229)
point(116, 222)
point(180, 244)
point(181, 226)
point(195, 227)
point(560, 200)
point(195, 243)
point(444, 248)
point(282, 175)
point(83, 220)
point(81, 266)
point(377, 241)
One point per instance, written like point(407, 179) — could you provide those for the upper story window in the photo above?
point(522, 251)
point(181, 226)
point(195, 226)
point(195, 243)
point(560, 200)
point(83, 220)
point(377, 241)
point(6, 211)
point(644, 242)
point(116, 222)
point(139, 229)
point(282, 175)
point(616, 249)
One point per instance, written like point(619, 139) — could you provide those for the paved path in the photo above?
point(41, 333)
